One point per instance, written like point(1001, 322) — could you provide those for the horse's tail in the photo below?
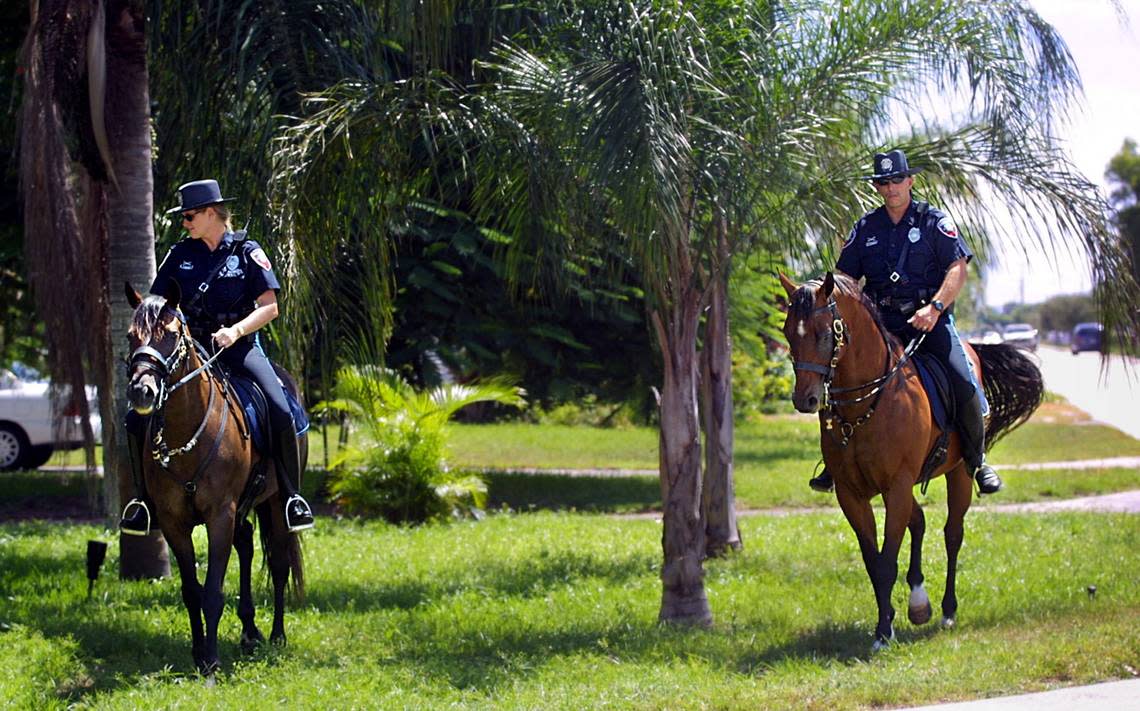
point(1013, 386)
point(293, 550)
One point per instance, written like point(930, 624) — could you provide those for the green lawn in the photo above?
point(559, 611)
point(773, 461)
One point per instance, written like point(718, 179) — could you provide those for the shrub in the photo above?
point(397, 469)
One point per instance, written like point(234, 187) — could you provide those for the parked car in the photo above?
point(28, 434)
point(1022, 335)
point(986, 336)
point(1087, 337)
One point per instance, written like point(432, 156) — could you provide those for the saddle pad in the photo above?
point(937, 386)
point(257, 413)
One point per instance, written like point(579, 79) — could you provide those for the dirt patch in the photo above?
point(1061, 413)
point(49, 508)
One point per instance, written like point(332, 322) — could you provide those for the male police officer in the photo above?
point(915, 264)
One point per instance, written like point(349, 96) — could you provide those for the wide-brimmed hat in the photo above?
point(198, 193)
point(890, 164)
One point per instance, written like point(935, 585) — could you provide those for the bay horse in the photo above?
point(877, 436)
point(202, 461)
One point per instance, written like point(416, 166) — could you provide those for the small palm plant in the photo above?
point(397, 468)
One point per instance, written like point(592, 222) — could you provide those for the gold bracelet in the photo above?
point(239, 329)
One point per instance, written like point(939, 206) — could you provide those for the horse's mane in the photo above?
point(147, 321)
point(803, 303)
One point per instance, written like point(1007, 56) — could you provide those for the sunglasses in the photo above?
point(888, 181)
point(189, 216)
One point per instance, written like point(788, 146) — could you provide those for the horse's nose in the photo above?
point(140, 398)
point(813, 403)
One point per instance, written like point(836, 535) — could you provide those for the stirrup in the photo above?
point(298, 515)
point(135, 520)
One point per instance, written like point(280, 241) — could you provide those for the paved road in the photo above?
point(1115, 695)
point(1111, 396)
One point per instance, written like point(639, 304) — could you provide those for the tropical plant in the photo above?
point(398, 468)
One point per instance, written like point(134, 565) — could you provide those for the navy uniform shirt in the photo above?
point(232, 294)
point(875, 244)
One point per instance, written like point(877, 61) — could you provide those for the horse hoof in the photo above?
point(881, 643)
point(277, 640)
point(211, 681)
point(947, 623)
point(920, 615)
point(249, 643)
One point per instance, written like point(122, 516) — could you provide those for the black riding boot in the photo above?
point(136, 516)
point(972, 428)
point(298, 514)
point(822, 483)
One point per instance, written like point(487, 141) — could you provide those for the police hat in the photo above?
point(198, 193)
point(890, 164)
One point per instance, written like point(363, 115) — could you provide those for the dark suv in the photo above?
point(1087, 337)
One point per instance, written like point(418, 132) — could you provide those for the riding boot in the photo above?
point(136, 516)
point(298, 514)
point(822, 483)
point(972, 428)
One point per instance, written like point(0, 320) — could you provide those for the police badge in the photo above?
point(914, 235)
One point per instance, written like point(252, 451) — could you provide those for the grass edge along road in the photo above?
point(559, 610)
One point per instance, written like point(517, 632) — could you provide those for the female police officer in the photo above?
point(914, 261)
point(240, 297)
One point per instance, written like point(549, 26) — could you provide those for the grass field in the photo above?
point(559, 611)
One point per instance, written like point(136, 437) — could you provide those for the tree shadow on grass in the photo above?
point(512, 578)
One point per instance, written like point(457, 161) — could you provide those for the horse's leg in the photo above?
point(271, 516)
point(918, 609)
point(898, 504)
point(243, 544)
point(959, 492)
point(182, 545)
point(220, 531)
point(862, 519)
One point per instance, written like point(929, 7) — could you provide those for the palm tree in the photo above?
point(90, 218)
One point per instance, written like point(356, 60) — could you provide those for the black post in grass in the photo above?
point(96, 552)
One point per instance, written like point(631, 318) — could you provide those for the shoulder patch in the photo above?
point(850, 237)
point(258, 256)
point(947, 227)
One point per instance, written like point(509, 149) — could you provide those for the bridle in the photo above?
point(840, 338)
point(148, 359)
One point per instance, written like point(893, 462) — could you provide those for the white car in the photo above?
point(1022, 335)
point(28, 434)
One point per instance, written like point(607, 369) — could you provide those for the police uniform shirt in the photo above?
point(232, 295)
point(875, 244)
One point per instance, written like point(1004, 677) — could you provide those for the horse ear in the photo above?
point(133, 297)
point(789, 285)
point(828, 285)
point(173, 293)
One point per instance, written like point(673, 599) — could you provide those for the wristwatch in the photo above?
point(938, 305)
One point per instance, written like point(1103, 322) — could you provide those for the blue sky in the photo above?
point(1107, 54)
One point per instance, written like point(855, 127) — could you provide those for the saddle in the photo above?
point(256, 410)
point(943, 409)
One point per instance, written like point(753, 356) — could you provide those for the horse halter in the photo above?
point(838, 340)
point(146, 359)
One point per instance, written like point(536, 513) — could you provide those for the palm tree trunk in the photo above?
point(683, 598)
point(131, 259)
point(719, 497)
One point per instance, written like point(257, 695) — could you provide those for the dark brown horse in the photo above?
point(202, 461)
point(876, 429)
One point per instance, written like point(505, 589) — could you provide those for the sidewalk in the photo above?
point(1114, 695)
